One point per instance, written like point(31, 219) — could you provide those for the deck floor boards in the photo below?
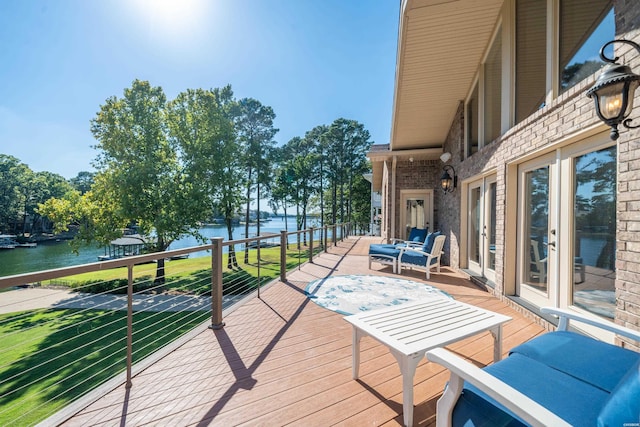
point(283, 360)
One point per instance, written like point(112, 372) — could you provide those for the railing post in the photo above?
point(311, 245)
point(129, 324)
point(216, 283)
point(283, 255)
point(325, 234)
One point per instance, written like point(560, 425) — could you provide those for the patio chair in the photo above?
point(387, 253)
point(424, 258)
point(559, 378)
point(538, 264)
point(416, 237)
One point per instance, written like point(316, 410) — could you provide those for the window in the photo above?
point(493, 90)
point(595, 232)
point(585, 25)
point(531, 57)
point(483, 120)
point(537, 227)
point(472, 122)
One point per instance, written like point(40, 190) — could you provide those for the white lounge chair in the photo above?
point(424, 258)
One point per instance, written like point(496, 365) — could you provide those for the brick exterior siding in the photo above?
point(567, 116)
point(570, 115)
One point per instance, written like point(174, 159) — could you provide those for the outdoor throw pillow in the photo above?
point(417, 234)
point(428, 242)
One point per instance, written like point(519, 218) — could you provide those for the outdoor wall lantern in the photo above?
point(613, 91)
point(448, 182)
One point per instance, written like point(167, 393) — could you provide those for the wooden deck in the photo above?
point(283, 360)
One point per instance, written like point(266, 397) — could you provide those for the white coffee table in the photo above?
point(412, 329)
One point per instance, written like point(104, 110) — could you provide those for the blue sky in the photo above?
point(312, 61)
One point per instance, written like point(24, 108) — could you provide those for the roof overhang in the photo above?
point(440, 45)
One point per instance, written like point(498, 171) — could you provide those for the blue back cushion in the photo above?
point(428, 242)
point(623, 406)
point(577, 355)
point(417, 234)
point(575, 401)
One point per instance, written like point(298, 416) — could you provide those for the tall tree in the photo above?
point(83, 181)
point(140, 179)
point(14, 175)
point(254, 125)
point(39, 188)
point(201, 124)
point(303, 165)
point(318, 137)
point(348, 142)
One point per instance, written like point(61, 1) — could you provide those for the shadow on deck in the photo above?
point(282, 359)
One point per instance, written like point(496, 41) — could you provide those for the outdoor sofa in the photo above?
point(559, 378)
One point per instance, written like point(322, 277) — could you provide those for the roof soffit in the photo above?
point(441, 44)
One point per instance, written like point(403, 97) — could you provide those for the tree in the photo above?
point(302, 168)
point(318, 139)
point(254, 124)
point(361, 202)
point(201, 124)
point(348, 142)
point(13, 175)
point(140, 179)
point(281, 187)
point(83, 181)
point(40, 187)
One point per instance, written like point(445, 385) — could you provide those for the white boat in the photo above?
point(7, 241)
point(27, 245)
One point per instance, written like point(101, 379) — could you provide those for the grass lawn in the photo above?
point(50, 358)
point(191, 274)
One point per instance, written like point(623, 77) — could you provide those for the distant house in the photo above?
point(545, 206)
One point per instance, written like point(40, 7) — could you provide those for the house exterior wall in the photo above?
point(568, 118)
point(628, 210)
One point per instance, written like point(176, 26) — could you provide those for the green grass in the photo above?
point(191, 274)
point(50, 358)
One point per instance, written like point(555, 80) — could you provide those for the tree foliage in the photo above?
point(21, 190)
point(254, 124)
point(164, 167)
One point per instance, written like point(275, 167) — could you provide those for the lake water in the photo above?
point(51, 255)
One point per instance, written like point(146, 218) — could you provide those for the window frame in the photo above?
point(506, 24)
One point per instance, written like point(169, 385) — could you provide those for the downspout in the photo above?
point(393, 199)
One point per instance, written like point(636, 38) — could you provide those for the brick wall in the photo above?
point(628, 212)
point(566, 116)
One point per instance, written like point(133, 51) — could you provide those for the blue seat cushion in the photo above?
point(595, 362)
point(384, 249)
point(623, 405)
point(428, 242)
point(415, 258)
point(573, 400)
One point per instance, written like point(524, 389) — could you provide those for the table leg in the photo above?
point(355, 348)
point(497, 343)
point(408, 365)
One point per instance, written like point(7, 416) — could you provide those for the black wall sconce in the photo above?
point(613, 91)
point(447, 181)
